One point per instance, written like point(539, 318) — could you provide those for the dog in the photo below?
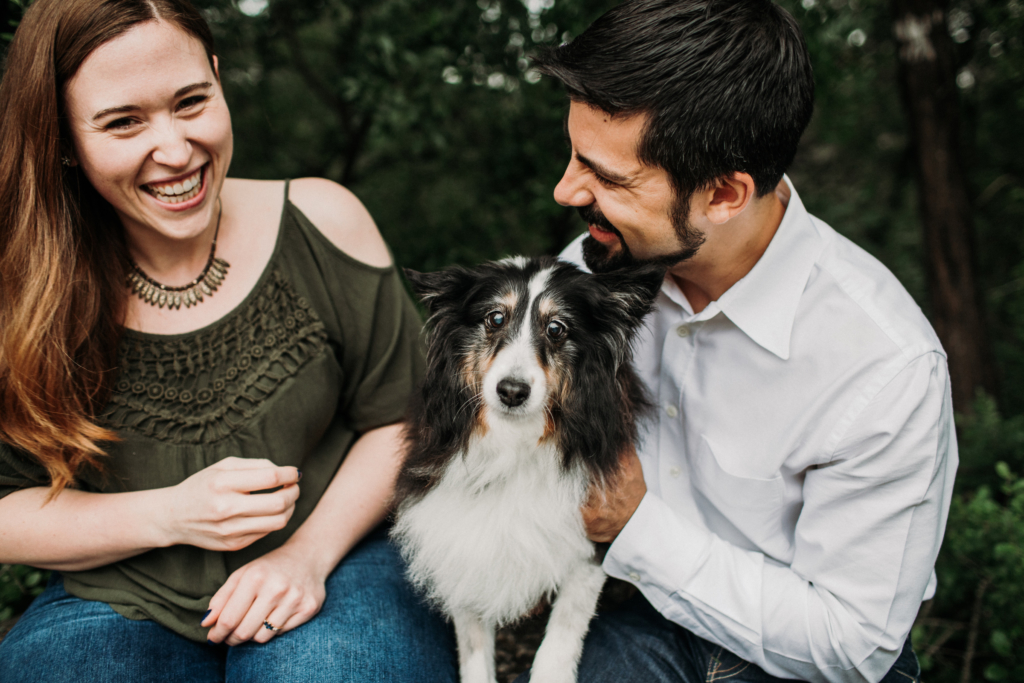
point(528, 401)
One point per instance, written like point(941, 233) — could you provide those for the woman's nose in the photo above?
point(172, 147)
point(572, 190)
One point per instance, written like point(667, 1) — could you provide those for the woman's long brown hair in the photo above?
point(63, 257)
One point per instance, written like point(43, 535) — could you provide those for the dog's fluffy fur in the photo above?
point(528, 400)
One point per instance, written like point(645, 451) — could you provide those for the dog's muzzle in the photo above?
point(513, 392)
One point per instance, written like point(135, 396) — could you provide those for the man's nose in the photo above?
point(572, 189)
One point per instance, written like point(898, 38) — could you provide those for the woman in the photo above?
point(175, 346)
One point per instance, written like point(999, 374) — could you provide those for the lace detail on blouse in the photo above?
point(199, 388)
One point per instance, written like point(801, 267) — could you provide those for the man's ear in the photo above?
point(728, 197)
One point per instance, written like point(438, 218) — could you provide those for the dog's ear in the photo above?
point(633, 289)
point(440, 289)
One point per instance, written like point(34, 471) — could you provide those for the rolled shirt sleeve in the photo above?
point(865, 543)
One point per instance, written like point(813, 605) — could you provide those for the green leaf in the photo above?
point(1001, 643)
point(995, 672)
point(1003, 470)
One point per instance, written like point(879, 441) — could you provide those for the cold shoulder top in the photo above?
point(323, 348)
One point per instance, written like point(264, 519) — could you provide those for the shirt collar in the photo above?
point(764, 302)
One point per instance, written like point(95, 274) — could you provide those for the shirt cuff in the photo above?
point(658, 551)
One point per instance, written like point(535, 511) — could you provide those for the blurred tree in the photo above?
point(10, 15)
point(430, 113)
point(928, 84)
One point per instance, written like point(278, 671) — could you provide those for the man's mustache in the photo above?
point(591, 215)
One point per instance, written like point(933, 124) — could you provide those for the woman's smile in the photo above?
point(180, 194)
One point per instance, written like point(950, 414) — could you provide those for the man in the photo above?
point(784, 513)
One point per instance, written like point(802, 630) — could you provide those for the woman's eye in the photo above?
point(556, 330)
point(120, 124)
point(495, 319)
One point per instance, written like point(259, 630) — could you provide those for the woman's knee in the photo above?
point(64, 638)
point(372, 627)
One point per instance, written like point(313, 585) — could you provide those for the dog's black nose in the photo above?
point(513, 392)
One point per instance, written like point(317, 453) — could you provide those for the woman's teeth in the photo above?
point(176, 193)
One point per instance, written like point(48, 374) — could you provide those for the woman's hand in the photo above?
point(217, 509)
point(284, 588)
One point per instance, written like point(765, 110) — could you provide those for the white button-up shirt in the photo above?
point(800, 464)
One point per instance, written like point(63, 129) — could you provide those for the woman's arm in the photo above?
point(212, 509)
point(285, 587)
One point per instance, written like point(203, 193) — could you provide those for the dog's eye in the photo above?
point(556, 330)
point(494, 319)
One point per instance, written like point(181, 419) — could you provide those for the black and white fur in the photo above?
point(528, 400)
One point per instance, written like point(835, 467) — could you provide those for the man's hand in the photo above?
point(607, 511)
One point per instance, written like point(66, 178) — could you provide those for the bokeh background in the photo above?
point(431, 113)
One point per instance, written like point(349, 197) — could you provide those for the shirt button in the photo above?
point(634, 576)
point(671, 410)
point(683, 331)
point(675, 472)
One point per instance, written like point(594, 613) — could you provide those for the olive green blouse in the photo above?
point(323, 348)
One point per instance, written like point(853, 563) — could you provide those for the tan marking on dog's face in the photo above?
point(547, 308)
point(469, 372)
point(475, 365)
point(509, 300)
point(474, 368)
point(480, 428)
point(556, 382)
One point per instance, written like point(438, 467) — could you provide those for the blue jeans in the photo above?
point(372, 627)
point(635, 644)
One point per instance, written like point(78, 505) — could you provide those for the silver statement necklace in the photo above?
point(156, 294)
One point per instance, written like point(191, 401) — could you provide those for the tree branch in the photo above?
point(972, 634)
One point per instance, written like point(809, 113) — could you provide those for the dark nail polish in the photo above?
point(300, 476)
point(210, 642)
point(205, 615)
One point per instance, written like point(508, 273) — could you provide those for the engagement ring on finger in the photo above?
point(268, 625)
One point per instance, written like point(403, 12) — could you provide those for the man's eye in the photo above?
point(192, 101)
point(605, 182)
point(494, 319)
point(556, 330)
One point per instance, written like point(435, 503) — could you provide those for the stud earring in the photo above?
point(66, 160)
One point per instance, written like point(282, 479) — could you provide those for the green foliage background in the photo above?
point(430, 113)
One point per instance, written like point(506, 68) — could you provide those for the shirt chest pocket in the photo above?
point(746, 511)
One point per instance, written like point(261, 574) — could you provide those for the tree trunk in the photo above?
point(928, 83)
point(5, 21)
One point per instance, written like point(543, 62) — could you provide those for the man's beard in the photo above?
point(599, 258)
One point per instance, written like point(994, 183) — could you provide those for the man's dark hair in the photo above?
point(726, 84)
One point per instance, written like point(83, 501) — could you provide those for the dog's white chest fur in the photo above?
point(500, 531)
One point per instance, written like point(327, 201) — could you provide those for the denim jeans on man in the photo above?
point(635, 644)
point(371, 628)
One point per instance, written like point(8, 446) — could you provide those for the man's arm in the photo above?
point(865, 544)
